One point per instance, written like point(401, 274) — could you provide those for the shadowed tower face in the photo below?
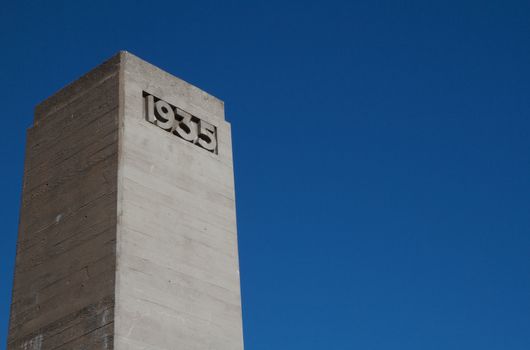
point(127, 236)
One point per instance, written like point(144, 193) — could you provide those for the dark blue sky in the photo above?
point(382, 155)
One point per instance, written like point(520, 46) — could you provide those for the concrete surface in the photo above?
point(127, 234)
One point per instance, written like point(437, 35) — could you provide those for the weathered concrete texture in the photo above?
point(177, 278)
point(66, 263)
point(127, 233)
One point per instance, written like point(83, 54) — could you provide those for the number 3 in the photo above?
point(185, 128)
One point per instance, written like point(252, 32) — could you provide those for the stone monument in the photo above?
point(127, 235)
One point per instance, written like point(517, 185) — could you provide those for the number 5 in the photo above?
point(207, 138)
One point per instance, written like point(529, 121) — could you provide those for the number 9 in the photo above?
point(160, 113)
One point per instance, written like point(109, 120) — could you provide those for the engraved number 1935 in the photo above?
point(181, 123)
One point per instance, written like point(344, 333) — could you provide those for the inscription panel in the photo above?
point(180, 123)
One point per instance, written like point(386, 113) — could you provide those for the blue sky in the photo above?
point(381, 155)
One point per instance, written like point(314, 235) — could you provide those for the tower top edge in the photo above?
point(122, 60)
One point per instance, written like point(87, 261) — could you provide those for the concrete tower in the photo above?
point(127, 236)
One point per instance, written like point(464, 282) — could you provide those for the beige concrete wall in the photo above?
point(177, 282)
point(63, 296)
point(127, 235)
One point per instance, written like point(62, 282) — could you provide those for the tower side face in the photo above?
point(177, 278)
point(63, 293)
